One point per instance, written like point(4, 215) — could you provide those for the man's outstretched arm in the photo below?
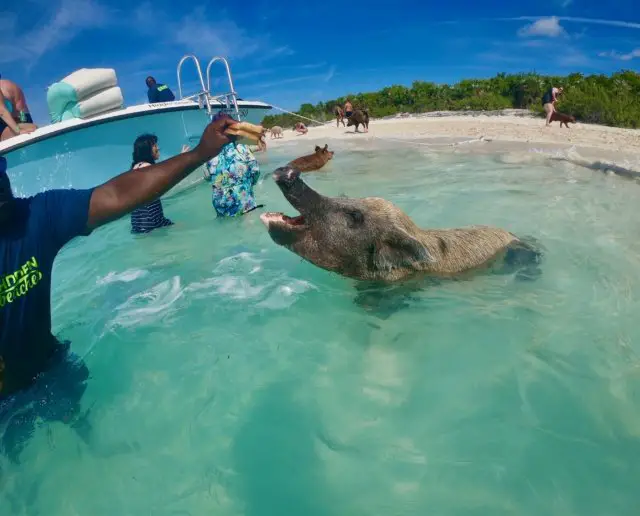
point(135, 188)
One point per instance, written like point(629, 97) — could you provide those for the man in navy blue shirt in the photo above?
point(158, 92)
point(35, 369)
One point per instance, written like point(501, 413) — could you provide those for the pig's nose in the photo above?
point(286, 175)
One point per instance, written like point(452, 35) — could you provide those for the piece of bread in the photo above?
point(243, 134)
point(252, 128)
point(246, 130)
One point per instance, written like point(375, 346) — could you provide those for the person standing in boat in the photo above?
point(41, 379)
point(158, 92)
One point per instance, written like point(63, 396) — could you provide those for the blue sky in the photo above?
point(288, 52)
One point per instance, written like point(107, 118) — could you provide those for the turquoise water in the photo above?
point(251, 384)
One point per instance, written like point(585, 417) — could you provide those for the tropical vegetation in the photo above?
point(612, 100)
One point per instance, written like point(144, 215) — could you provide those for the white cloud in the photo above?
point(330, 74)
point(67, 20)
point(211, 37)
point(592, 21)
point(206, 34)
point(313, 65)
point(548, 27)
point(311, 79)
point(572, 57)
point(623, 57)
point(566, 3)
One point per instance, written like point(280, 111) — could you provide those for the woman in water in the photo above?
point(151, 216)
point(233, 174)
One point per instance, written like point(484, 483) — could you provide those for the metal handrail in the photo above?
point(232, 94)
point(204, 92)
point(204, 96)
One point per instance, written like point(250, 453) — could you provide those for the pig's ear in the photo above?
point(326, 146)
point(399, 251)
point(317, 149)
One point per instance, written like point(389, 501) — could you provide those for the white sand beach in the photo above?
point(507, 126)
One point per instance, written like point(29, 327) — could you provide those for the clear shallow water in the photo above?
point(252, 385)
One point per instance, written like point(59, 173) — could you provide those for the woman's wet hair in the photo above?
point(143, 149)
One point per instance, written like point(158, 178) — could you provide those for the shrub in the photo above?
point(610, 100)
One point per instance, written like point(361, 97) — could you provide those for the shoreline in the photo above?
point(507, 126)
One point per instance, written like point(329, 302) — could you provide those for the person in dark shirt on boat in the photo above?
point(40, 378)
point(158, 92)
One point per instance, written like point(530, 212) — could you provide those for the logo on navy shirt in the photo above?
point(18, 284)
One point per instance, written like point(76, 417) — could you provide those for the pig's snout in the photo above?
point(286, 176)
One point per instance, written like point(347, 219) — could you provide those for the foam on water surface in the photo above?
point(252, 384)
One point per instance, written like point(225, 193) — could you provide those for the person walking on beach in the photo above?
point(40, 378)
point(15, 118)
point(158, 92)
point(549, 102)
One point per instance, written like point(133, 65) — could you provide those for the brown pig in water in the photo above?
point(372, 240)
point(314, 161)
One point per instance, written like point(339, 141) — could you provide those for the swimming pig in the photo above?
point(359, 116)
point(372, 240)
point(314, 161)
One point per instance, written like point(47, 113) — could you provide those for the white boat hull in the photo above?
point(85, 153)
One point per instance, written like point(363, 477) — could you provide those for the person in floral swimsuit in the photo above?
point(233, 174)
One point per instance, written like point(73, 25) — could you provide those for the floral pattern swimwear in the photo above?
point(233, 174)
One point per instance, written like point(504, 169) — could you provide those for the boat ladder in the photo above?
point(229, 99)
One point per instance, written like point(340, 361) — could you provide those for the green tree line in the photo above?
point(612, 100)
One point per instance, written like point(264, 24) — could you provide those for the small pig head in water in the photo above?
point(371, 239)
point(314, 161)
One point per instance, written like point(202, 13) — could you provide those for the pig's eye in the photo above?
point(356, 217)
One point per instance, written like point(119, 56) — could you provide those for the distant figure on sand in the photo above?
point(359, 116)
point(348, 108)
point(339, 116)
point(15, 118)
point(158, 92)
point(301, 128)
point(276, 132)
point(549, 100)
